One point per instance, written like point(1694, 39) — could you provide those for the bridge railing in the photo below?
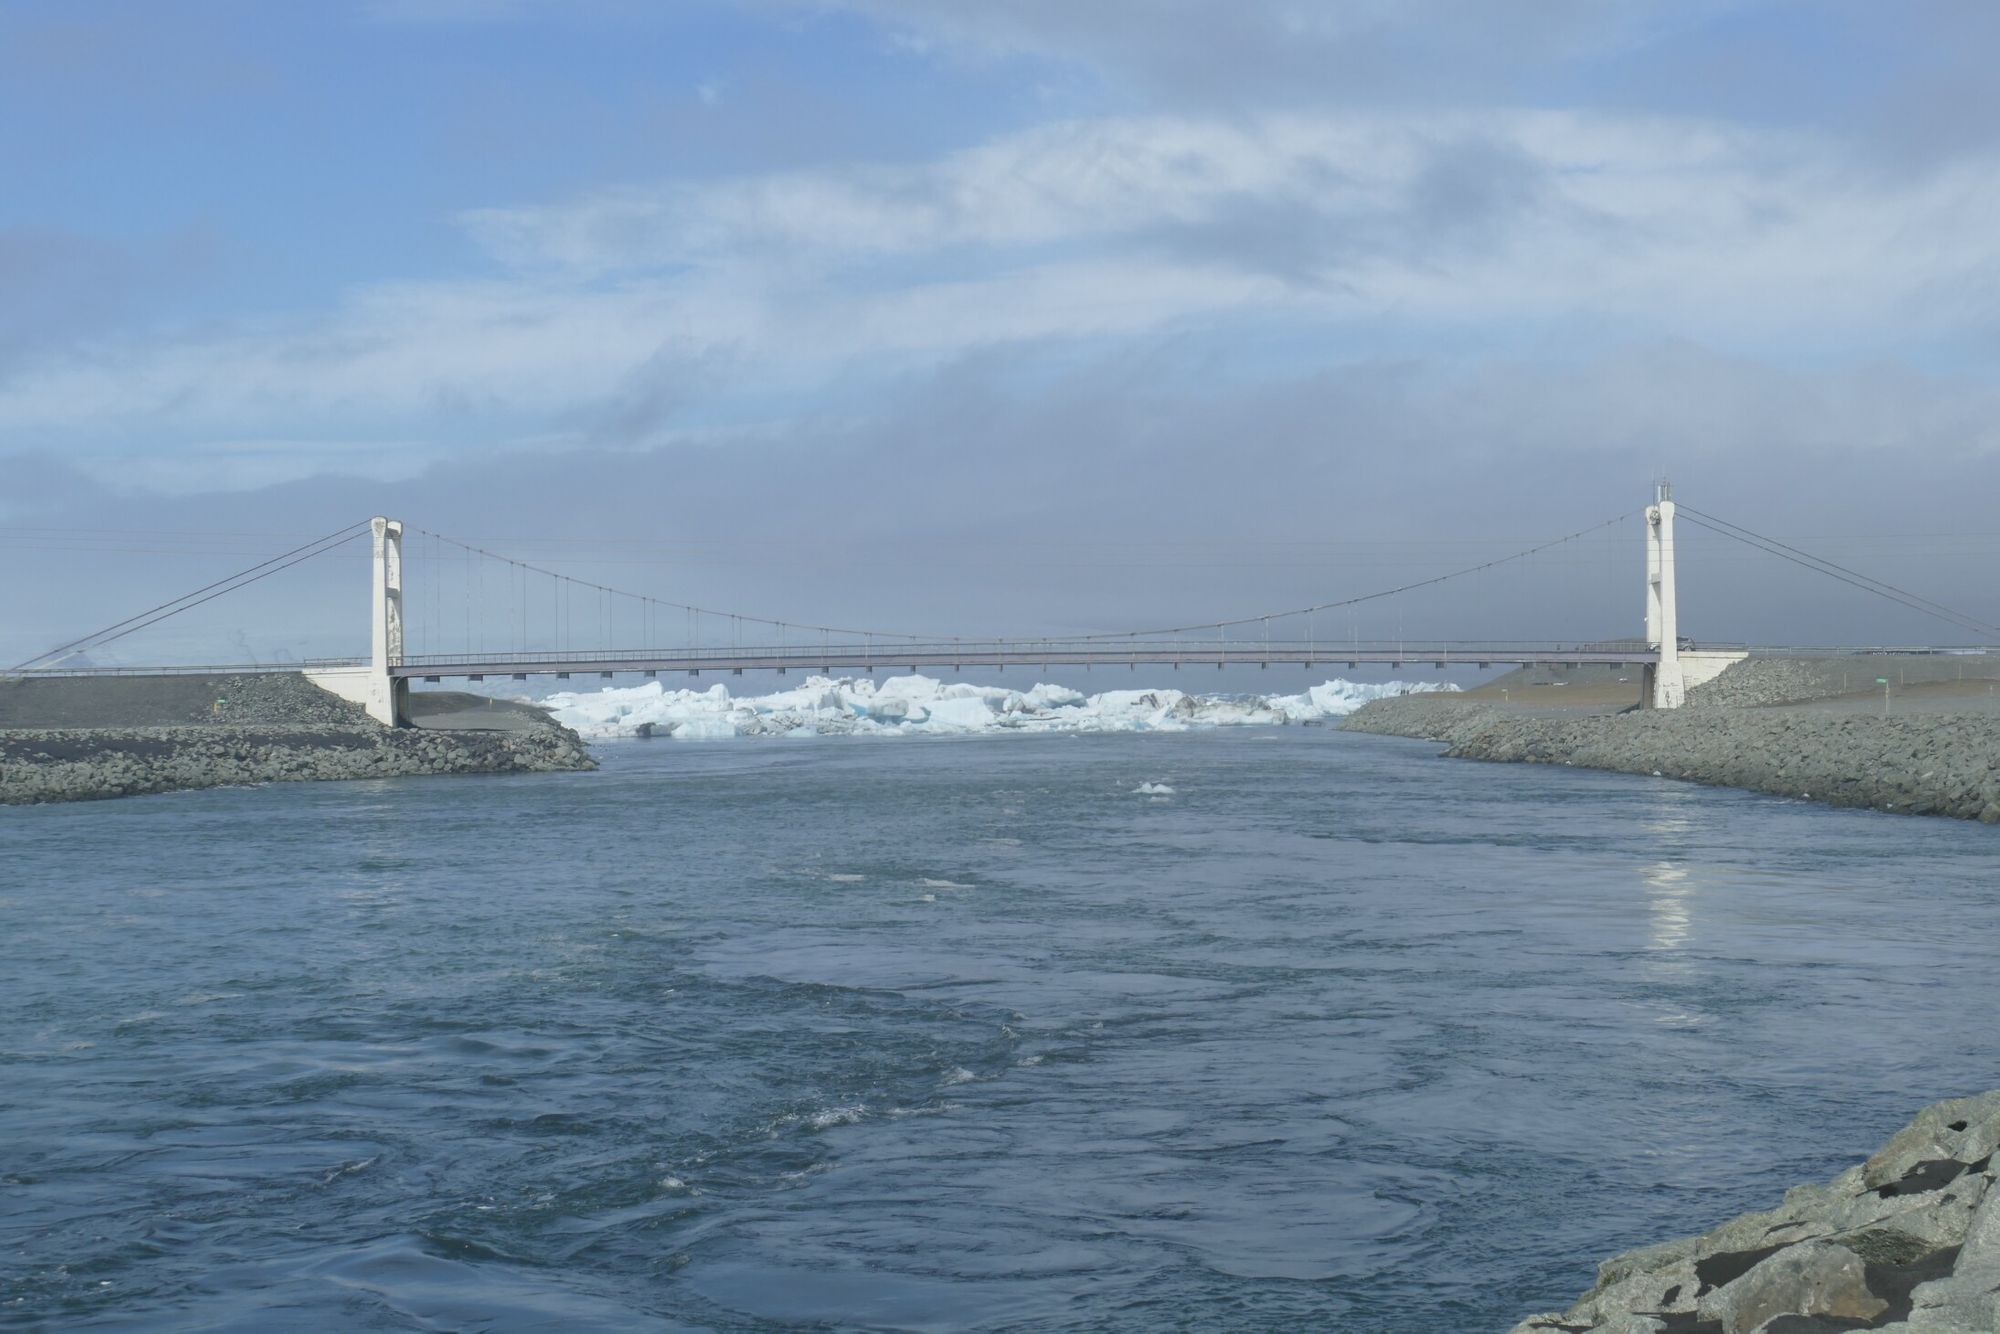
point(192, 669)
point(972, 648)
point(1330, 650)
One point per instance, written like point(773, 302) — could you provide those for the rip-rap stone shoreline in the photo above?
point(1909, 1240)
point(173, 734)
point(1934, 754)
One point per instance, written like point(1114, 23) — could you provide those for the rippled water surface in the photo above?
point(948, 1034)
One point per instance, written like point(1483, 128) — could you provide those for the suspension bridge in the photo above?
point(542, 606)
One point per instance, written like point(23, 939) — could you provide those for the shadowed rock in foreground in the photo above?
point(1909, 1240)
point(80, 739)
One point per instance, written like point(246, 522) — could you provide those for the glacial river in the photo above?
point(949, 1034)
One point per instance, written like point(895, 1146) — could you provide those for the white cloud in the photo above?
point(1051, 184)
point(1754, 240)
point(1449, 216)
point(1261, 53)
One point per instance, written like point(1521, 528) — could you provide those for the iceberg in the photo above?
point(921, 706)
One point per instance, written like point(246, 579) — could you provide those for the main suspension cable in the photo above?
point(687, 607)
point(187, 601)
point(1854, 578)
point(1364, 597)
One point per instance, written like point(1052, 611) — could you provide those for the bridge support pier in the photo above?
point(385, 697)
point(1665, 684)
point(388, 697)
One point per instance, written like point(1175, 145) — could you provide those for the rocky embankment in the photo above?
point(1943, 761)
point(1909, 1240)
point(1788, 680)
point(187, 732)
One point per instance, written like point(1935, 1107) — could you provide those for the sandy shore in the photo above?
point(83, 738)
point(1927, 746)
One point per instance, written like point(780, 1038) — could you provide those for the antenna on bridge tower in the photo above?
point(1665, 686)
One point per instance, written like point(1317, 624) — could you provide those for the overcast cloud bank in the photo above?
point(1156, 274)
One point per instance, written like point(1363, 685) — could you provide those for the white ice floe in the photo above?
point(903, 705)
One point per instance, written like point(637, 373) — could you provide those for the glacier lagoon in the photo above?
point(1242, 1027)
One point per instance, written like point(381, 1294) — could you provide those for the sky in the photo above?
point(1027, 316)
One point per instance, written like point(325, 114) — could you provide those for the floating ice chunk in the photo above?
point(703, 729)
point(961, 715)
point(1044, 697)
point(1337, 698)
point(915, 686)
point(916, 704)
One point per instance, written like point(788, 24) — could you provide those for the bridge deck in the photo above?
point(953, 657)
point(992, 653)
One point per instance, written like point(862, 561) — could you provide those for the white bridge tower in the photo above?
point(1666, 687)
point(385, 697)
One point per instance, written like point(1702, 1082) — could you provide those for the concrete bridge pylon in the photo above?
point(1665, 683)
point(386, 702)
point(384, 696)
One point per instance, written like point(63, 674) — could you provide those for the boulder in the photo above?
point(1909, 1239)
point(1812, 1279)
point(1969, 1297)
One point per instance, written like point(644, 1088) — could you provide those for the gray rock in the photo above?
point(1669, 1288)
point(1969, 1299)
point(1960, 1129)
point(1813, 1279)
point(1908, 1239)
point(1633, 1324)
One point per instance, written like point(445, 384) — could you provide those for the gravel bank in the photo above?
point(1938, 755)
point(1909, 1240)
point(1762, 681)
point(163, 734)
point(284, 699)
